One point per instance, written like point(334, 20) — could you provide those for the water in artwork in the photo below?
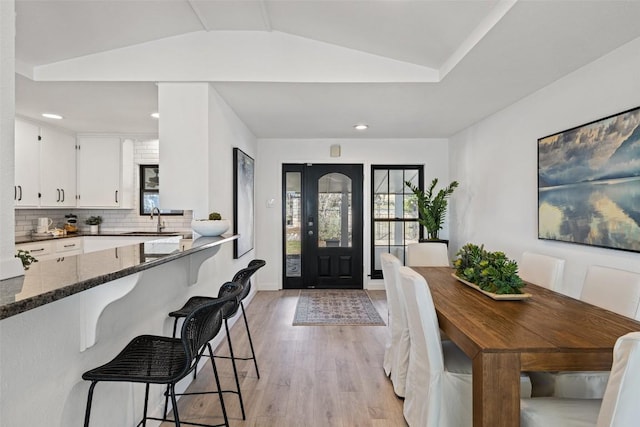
point(602, 213)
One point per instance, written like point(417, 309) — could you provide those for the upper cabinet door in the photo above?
point(27, 164)
point(104, 176)
point(99, 172)
point(57, 168)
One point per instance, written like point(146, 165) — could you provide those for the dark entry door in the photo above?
point(329, 226)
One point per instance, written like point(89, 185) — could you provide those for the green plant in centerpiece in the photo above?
point(432, 206)
point(26, 258)
point(468, 264)
point(491, 271)
point(213, 216)
point(93, 220)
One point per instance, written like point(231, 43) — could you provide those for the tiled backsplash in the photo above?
point(113, 220)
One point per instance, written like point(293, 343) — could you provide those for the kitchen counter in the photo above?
point(30, 239)
point(72, 313)
point(51, 280)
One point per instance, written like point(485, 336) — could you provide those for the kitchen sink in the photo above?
point(152, 233)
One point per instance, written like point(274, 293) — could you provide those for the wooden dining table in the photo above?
point(547, 332)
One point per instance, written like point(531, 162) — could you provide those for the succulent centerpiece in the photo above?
point(492, 272)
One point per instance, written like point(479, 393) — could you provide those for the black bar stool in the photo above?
point(152, 359)
point(242, 277)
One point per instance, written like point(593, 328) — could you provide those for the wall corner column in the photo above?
point(9, 265)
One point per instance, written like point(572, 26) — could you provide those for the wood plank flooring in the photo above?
point(310, 376)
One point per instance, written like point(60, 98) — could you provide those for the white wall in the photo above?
point(495, 162)
point(9, 266)
point(272, 153)
point(183, 131)
point(198, 131)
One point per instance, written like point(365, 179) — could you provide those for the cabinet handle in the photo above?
point(37, 250)
point(58, 190)
point(70, 246)
point(116, 196)
point(15, 192)
point(20, 196)
point(62, 189)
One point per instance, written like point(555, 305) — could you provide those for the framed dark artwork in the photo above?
point(589, 183)
point(243, 202)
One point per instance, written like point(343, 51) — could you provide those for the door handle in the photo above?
point(116, 196)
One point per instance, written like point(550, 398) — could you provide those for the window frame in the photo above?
point(377, 274)
point(144, 191)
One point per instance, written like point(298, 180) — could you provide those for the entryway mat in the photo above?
point(336, 307)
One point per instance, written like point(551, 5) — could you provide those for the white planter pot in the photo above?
point(210, 227)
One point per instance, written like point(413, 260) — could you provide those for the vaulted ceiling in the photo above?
point(307, 68)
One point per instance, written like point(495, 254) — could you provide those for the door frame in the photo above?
point(357, 232)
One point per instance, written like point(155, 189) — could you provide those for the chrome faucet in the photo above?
point(160, 223)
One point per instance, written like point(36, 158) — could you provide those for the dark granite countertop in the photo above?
point(50, 280)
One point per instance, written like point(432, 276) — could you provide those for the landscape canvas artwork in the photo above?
point(589, 183)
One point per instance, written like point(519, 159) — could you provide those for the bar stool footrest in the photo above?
point(184, 422)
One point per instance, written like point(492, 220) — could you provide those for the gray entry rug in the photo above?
point(336, 307)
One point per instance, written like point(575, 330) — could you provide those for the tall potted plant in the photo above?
point(432, 206)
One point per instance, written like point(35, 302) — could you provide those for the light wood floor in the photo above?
point(309, 375)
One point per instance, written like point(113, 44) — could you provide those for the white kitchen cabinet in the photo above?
point(100, 243)
point(107, 261)
point(55, 248)
point(69, 246)
point(39, 250)
point(27, 164)
point(105, 172)
point(57, 168)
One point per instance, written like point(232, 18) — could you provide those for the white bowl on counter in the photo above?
point(210, 228)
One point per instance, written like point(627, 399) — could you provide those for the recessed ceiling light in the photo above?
point(155, 115)
point(52, 116)
point(361, 126)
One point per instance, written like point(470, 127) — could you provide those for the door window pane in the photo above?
point(334, 211)
point(293, 218)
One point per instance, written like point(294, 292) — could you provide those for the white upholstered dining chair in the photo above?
point(612, 289)
point(438, 390)
point(396, 355)
point(618, 408)
point(431, 254)
point(439, 384)
point(541, 270)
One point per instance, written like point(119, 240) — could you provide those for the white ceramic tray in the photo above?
point(497, 297)
point(47, 234)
